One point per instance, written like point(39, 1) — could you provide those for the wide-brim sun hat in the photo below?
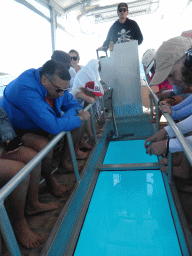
point(167, 55)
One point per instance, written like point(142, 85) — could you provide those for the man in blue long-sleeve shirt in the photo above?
point(124, 29)
point(35, 102)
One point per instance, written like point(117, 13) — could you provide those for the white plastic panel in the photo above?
point(121, 72)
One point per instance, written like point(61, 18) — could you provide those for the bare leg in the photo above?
point(89, 130)
point(83, 143)
point(37, 143)
point(76, 135)
point(15, 204)
point(182, 171)
point(90, 133)
point(177, 159)
point(33, 206)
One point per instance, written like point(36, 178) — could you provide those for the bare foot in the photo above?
point(80, 155)
point(99, 135)
point(40, 207)
point(100, 130)
point(163, 161)
point(178, 171)
point(68, 167)
point(27, 238)
point(84, 144)
point(56, 188)
point(164, 169)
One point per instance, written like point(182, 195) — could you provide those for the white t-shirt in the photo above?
point(86, 74)
point(73, 74)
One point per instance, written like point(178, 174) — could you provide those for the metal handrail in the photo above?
point(187, 149)
point(14, 182)
point(5, 226)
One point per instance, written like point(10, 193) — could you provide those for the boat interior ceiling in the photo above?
point(95, 10)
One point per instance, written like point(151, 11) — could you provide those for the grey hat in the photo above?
point(63, 57)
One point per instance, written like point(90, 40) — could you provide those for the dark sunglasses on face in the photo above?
point(57, 88)
point(122, 10)
point(188, 56)
point(74, 58)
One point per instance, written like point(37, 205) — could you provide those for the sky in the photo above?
point(26, 38)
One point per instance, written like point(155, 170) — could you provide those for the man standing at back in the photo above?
point(124, 29)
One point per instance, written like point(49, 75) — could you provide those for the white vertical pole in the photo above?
point(53, 17)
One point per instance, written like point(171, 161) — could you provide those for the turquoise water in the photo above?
point(129, 214)
point(128, 152)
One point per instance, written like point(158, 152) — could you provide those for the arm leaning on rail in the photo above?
point(12, 184)
point(157, 144)
point(177, 130)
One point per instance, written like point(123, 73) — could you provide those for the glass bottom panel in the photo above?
point(128, 214)
point(128, 152)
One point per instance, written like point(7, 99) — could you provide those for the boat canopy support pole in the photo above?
point(7, 232)
point(53, 27)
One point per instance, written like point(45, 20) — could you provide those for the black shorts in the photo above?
point(41, 132)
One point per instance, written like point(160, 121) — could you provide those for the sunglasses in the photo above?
point(57, 88)
point(122, 10)
point(74, 58)
point(188, 56)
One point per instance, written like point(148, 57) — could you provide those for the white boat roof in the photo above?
point(97, 10)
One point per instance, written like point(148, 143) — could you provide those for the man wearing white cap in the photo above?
point(169, 61)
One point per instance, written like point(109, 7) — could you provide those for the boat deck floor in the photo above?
point(43, 223)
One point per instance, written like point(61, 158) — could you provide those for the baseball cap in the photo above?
point(122, 5)
point(62, 57)
point(148, 59)
point(90, 86)
point(167, 55)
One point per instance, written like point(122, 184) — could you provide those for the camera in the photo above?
point(13, 144)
